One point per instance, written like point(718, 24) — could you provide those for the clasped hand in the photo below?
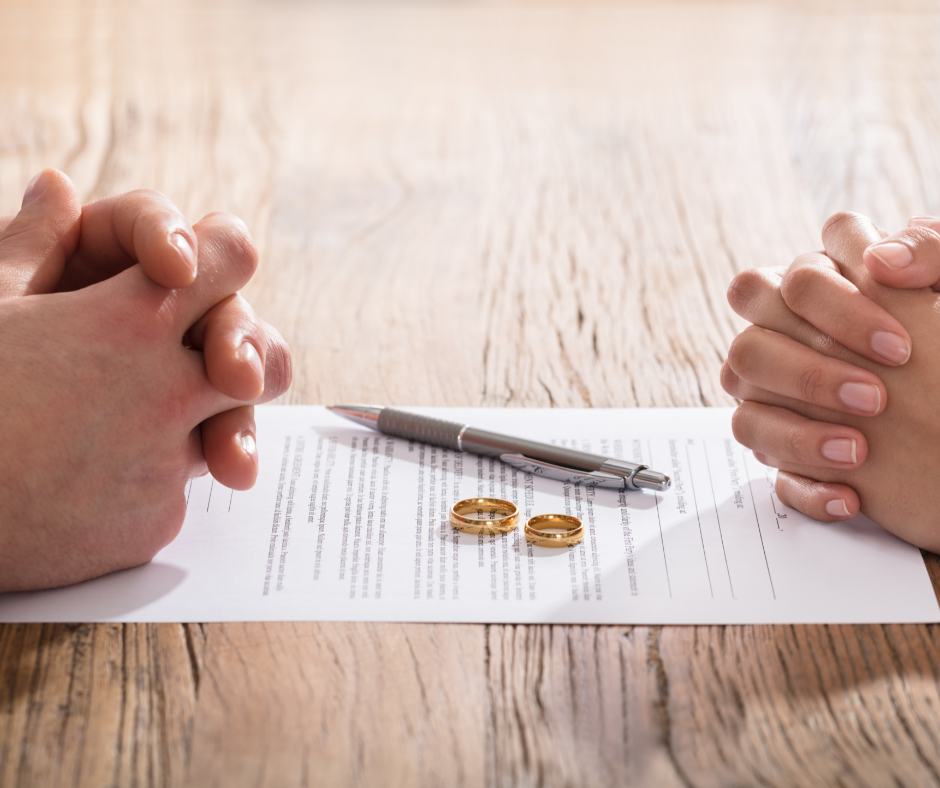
point(839, 375)
point(131, 364)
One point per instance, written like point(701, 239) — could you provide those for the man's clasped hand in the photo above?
point(131, 364)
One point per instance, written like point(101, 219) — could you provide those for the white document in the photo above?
point(346, 524)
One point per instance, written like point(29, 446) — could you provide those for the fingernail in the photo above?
point(837, 508)
point(892, 254)
point(35, 188)
point(248, 352)
point(840, 450)
point(185, 248)
point(917, 220)
point(247, 441)
point(862, 397)
point(891, 347)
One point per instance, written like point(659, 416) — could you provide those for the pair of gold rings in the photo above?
point(557, 530)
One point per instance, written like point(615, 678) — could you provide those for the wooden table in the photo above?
point(482, 203)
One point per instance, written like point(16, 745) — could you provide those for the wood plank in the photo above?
point(804, 705)
point(95, 704)
point(578, 706)
point(715, 706)
point(335, 704)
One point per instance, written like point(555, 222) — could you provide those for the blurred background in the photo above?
point(413, 173)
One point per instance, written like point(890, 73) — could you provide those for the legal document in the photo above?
point(346, 524)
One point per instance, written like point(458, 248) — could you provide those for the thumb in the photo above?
point(910, 258)
point(41, 237)
point(846, 236)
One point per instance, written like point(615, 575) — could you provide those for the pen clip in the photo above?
point(561, 473)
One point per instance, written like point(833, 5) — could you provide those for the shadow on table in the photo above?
point(102, 599)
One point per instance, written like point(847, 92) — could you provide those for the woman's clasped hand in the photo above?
point(130, 364)
point(840, 372)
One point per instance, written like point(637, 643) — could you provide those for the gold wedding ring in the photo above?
point(572, 527)
point(485, 522)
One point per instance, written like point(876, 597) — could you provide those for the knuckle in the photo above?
point(736, 353)
point(840, 221)
point(826, 345)
point(146, 196)
point(806, 258)
point(240, 312)
point(229, 316)
point(278, 366)
point(799, 285)
point(745, 288)
point(763, 459)
point(800, 493)
point(230, 236)
point(730, 382)
point(810, 382)
point(923, 239)
point(741, 425)
point(741, 355)
point(244, 251)
point(793, 443)
point(790, 492)
point(213, 215)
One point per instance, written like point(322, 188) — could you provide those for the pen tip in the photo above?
point(648, 479)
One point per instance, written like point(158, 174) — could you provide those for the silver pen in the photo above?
point(540, 459)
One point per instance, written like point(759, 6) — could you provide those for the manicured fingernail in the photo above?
point(892, 254)
point(185, 248)
point(35, 187)
point(837, 508)
point(247, 352)
point(840, 450)
point(247, 441)
point(918, 220)
point(891, 347)
point(862, 397)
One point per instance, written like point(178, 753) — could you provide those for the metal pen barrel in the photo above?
point(490, 444)
point(460, 437)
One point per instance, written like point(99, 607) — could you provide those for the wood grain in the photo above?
point(523, 204)
point(321, 704)
point(96, 704)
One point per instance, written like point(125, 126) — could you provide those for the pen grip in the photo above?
point(491, 444)
point(424, 429)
